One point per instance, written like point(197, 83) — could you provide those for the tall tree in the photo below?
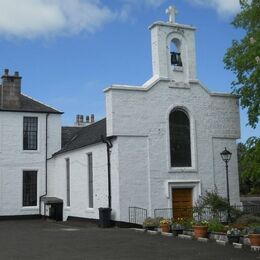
point(243, 58)
point(249, 164)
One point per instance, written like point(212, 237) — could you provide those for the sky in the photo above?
point(68, 51)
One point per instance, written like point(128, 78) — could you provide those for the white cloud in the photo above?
point(37, 18)
point(223, 7)
point(140, 3)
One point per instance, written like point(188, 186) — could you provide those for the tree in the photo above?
point(249, 164)
point(243, 58)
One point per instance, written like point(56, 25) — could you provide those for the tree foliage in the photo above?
point(249, 162)
point(243, 58)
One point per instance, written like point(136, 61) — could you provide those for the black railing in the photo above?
point(137, 215)
point(207, 213)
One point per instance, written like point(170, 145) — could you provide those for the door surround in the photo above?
point(195, 185)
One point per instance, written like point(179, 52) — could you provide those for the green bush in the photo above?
point(215, 226)
point(247, 220)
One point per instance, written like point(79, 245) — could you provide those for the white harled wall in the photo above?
point(145, 174)
point(79, 181)
point(13, 160)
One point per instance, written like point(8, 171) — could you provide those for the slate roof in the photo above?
point(87, 135)
point(67, 132)
point(28, 104)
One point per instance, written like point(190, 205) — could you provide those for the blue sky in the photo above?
point(68, 51)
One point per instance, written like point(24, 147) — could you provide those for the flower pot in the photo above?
point(176, 231)
point(233, 239)
point(165, 228)
point(254, 239)
point(200, 231)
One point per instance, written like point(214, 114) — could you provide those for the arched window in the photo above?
point(180, 139)
point(176, 53)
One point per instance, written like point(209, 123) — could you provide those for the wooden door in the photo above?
point(182, 203)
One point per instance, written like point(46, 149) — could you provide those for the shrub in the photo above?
point(150, 222)
point(215, 226)
point(247, 220)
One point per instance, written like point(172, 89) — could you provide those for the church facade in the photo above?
point(159, 145)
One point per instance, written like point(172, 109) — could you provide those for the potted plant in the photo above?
point(165, 225)
point(150, 224)
point(233, 235)
point(254, 236)
point(177, 226)
point(200, 228)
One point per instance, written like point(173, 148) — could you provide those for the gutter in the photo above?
point(46, 165)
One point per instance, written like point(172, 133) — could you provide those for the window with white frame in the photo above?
point(30, 133)
point(29, 188)
point(180, 144)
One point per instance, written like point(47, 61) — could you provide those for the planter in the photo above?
point(165, 228)
point(254, 239)
point(200, 231)
point(233, 239)
point(176, 231)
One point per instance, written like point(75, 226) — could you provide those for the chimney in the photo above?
point(92, 118)
point(87, 119)
point(11, 90)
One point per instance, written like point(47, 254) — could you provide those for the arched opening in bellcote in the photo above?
point(175, 53)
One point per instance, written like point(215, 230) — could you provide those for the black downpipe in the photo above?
point(46, 165)
point(109, 144)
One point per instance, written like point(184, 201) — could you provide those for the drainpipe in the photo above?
point(46, 165)
point(109, 145)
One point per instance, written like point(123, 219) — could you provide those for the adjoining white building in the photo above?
point(163, 140)
point(30, 132)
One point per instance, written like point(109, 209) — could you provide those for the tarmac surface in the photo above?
point(39, 239)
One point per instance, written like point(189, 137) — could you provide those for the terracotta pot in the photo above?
point(254, 239)
point(200, 231)
point(165, 228)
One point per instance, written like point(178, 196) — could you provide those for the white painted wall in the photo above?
point(13, 160)
point(139, 117)
point(79, 181)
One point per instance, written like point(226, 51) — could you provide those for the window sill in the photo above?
point(30, 151)
point(90, 210)
point(66, 208)
point(177, 68)
point(29, 208)
point(182, 169)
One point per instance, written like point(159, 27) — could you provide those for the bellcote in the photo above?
point(173, 49)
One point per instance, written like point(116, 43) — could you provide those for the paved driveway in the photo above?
point(36, 239)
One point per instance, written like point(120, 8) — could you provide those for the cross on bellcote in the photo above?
point(172, 11)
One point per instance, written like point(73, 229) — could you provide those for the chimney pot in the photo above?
point(16, 74)
point(92, 118)
point(6, 72)
point(81, 118)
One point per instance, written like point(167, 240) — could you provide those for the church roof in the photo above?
point(28, 104)
point(73, 139)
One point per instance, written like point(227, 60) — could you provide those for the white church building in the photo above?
point(158, 147)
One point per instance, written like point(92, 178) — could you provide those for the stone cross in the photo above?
point(172, 11)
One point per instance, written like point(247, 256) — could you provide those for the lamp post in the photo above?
point(226, 156)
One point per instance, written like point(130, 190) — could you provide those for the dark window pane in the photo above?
point(30, 128)
point(68, 181)
point(30, 188)
point(180, 139)
point(90, 181)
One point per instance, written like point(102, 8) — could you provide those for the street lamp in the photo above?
point(226, 156)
